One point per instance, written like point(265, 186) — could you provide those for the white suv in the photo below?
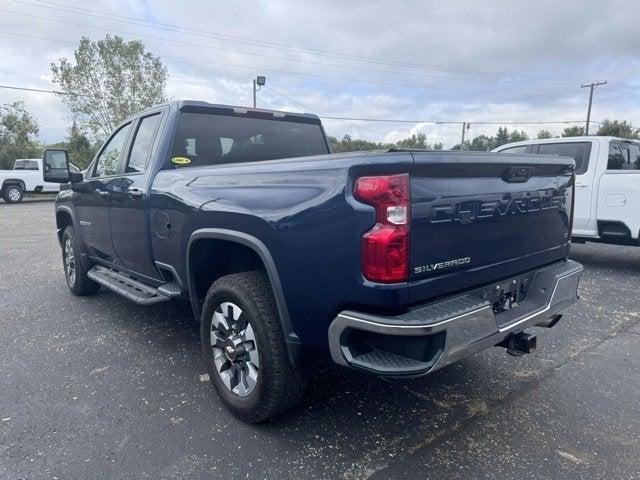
point(607, 200)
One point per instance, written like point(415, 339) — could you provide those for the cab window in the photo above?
point(109, 158)
point(142, 144)
point(26, 165)
point(623, 156)
point(518, 149)
point(211, 139)
point(579, 151)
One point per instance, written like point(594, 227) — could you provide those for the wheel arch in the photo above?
point(14, 181)
point(64, 218)
point(259, 249)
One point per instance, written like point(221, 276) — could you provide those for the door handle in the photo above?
point(581, 185)
point(135, 193)
point(102, 193)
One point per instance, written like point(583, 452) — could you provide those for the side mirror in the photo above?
point(55, 164)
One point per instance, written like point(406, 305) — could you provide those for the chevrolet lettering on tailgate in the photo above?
point(526, 202)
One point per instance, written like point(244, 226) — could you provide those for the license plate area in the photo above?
point(507, 295)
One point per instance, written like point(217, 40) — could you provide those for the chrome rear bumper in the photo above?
point(429, 337)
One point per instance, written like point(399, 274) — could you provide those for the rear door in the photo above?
point(619, 188)
point(582, 153)
point(129, 200)
point(476, 218)
point(94, 199)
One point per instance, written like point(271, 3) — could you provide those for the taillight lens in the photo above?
point(385, 248)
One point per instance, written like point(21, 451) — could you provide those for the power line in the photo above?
point(440, 122)
point(260, 55)
point(14, 34)
point(436, 122)
point(315, 111)
point(42, 90)
point(304, 74)
point(338, 118)
point(623, 85)
point(611, 100)
point(262, 43)
point(238, 39)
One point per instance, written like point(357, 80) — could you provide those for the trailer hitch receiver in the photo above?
point(517, 344)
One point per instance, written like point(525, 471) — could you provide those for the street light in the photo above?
point(258, 82)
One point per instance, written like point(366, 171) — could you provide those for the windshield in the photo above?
point(210, 139)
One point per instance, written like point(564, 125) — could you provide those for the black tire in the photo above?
point(78, 283)
point(279, 385)
point(12, 193)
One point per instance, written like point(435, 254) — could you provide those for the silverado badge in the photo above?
point(432, 267)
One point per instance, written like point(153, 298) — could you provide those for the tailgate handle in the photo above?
point(515, 174)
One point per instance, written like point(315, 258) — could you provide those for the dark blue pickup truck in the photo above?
point(391, 262)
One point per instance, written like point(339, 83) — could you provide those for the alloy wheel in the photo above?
point(235, 350)
point(69, 262)
point(14, 194)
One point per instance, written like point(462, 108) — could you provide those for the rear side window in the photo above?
point(623, 156)
point(142, 144)
point(518, 149)
point(210, 139)
point(579, 151)
point(26, 165)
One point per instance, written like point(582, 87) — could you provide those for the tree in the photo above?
point(502, 137)
point(614, 128)
point(544, 134)
point(18, 134)
point(414, 141)
point(349, 144)
point(110, 80)
point(81, 151)
point(574, 131)
point(467, 146)
point(482, 143)
point(518, 136)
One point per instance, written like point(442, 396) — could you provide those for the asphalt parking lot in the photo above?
point(98, 387)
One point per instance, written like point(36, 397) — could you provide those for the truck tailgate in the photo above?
point(476, 218)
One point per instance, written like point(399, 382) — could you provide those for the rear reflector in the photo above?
point(385, 248)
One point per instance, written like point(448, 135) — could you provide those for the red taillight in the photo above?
point(385, 248)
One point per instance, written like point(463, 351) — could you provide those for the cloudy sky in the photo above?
point(447, 61)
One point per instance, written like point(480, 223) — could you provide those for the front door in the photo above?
point(129, 201)
point(94, 197)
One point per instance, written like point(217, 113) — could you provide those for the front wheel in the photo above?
point(75, 268)
point(12, 194)
point(244, 349)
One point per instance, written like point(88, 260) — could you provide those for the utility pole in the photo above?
point(590, 86)
point(258, 82)
point(465, 126)
point(254, 93)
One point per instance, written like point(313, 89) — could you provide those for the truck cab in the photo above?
point(607, 189)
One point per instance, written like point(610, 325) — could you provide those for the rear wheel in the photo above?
point(12, 193)
point(75, 268)
point(244, 349)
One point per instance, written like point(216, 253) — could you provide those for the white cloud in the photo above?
point(569, 41)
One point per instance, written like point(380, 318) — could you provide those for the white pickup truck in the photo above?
point(26, 176)
point(607, 199)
